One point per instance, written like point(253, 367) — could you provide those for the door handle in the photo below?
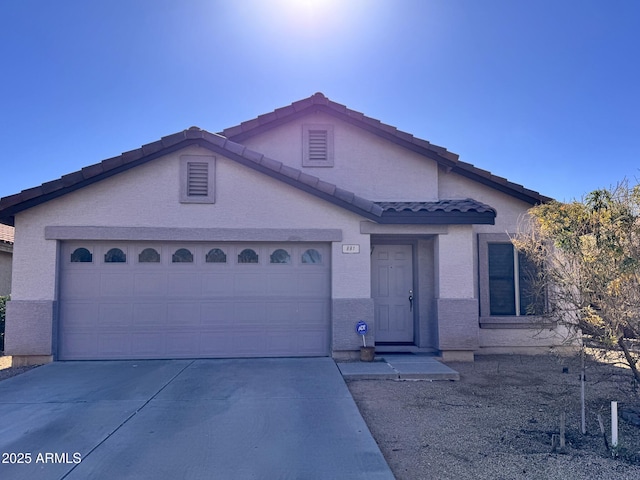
point(411, 300)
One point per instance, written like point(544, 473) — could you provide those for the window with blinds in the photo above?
point(512, 286)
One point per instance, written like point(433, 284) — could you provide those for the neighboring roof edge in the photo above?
point(7, 235)
point(450, 161)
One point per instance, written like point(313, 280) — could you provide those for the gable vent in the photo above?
point(197, 179)
point(318, 143)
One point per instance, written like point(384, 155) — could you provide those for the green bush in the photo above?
point(3, 309)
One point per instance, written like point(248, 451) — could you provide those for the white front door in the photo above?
point(392, 290)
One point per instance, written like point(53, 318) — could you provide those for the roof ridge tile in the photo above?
point(307, 179)
point(214, 138)
point(255, 157)
point(290, 171)
point(326, 187)
point(153, 147)
point(234, 147)
point(92, 170)
point(344, 195)
point(271, 164)
point(173, 139)
point(132, 155)
point(444, 156)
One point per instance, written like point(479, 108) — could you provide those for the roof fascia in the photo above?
point(328, 109)
point(530, 199)
point(342, 113)
point(8, 214)
point(292, 181)
point(439, 218)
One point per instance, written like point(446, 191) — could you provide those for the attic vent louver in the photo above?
point(317, 141)
point(318, 145)
point(197, 179)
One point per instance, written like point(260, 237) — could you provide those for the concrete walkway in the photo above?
point(187, 419)
point(398, 367)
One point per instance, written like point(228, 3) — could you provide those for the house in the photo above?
point(271, 238)
point(6, 253)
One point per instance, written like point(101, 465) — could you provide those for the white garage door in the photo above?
point(126, 300)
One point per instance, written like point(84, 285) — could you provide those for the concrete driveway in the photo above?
point(191, 419)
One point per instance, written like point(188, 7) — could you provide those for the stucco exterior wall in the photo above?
point(364, 163)
point(374, 168)
point(510, 210)
point(455, 256)
point(149, 196)
point(537, 339)
point(427, 324)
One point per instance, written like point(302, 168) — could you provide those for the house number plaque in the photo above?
point(350, 248)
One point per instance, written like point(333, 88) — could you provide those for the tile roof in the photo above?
point(13, 204)
point(6, 234)
point(442, 211)
point(227, 143)
point(448, 160)
point(466, 205)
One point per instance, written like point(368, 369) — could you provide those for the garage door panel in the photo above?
point(150, 314)
point(113, 315)
point(283, 284)
point(184, 314)
point(184, 284)
point(249, 283)
point(219, 313)
point(181, 343)
point(80, 345)
point(217, 285)
point(160, 309)
point(313, 341)
point(114, 344)
point(313, 312)
point(282, 312)
point(313, 284)
point(280, 341)
point(217, 343)
point(80, 315)
point(249, 312)
point(249, 342)
point(82, 285)
point(148, 344)
point(116, 285)
point(150, 284)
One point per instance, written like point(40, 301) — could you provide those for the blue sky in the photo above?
point(545, 93)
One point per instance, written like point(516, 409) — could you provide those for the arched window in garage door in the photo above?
point(280, 256)
point(311, 256)
point(182, 255)
point(149, 255)
point(81, 255)
point(115, 255)
point(248, 256)
point(216, 255)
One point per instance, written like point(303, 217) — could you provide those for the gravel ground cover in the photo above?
point(497, 422)
point(8, 372)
